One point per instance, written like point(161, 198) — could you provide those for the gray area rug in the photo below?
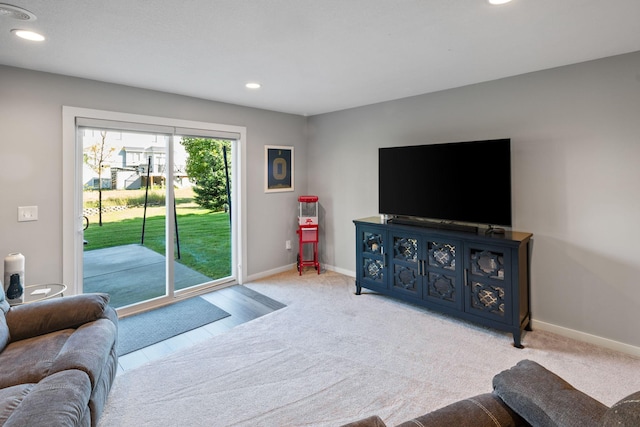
point(150, 327)
point(330, 357)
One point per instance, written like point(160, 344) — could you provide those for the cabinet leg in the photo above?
point(358, 289)
point(516, 340)
point(528, 327)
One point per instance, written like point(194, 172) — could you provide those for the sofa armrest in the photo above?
point(624, 413)
point(544, 399)
point(372, 421)
point(484, 410)
point(43, 317)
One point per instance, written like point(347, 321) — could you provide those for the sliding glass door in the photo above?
point(156, 210)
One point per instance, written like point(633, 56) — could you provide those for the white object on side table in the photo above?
point(33, 293)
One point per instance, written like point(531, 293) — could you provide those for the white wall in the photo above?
point(31, 163)
point(576, 180)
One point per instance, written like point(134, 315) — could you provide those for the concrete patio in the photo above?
point(133, 273)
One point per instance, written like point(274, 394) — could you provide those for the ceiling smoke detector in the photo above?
point(15, 12)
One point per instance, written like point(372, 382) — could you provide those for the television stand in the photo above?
point(434, 224)
point(481, 278)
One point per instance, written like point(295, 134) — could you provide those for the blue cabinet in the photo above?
point(478, 277)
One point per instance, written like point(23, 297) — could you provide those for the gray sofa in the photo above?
point(526, 395)
point(57, 360)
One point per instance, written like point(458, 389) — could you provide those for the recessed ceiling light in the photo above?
point(496, 2)
point(16, 12)
point(253, 85)
point(28, 35)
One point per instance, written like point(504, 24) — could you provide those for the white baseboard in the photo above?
point(585, 337)
point(340, 270)
point(268, 273)
point(284, 268)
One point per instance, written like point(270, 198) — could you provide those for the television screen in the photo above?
point(467, 182)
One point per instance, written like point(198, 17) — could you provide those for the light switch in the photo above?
point(27, 213)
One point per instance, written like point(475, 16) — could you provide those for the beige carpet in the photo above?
point(331, 357)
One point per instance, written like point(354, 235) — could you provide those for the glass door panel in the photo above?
point(124, 208)
point(202, 187)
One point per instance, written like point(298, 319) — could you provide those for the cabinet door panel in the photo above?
point(444, 282)
point(406, 279)
point(487, 263)
point(372, 268)
point(442, 288)
point(487, 300)
point(405, 265)
point(488, 282)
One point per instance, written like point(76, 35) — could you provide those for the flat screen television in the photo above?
point(465, 182)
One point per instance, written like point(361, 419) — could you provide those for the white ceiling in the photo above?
point(314, 56)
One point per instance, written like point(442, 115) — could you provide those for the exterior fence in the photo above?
point(95, 211)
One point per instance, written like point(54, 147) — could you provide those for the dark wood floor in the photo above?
point(243, 304)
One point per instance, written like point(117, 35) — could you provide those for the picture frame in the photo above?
point(278, 169)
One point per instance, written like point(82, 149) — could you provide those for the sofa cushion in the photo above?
point(28, 361)
point(58, 400)
point(544, 399)
point(625, 413)
point(10, 399)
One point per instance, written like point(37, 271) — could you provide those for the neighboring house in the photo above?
point(136, 164)
point(140, 157)
point(90, 178)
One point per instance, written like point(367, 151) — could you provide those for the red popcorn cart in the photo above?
point(307, 231)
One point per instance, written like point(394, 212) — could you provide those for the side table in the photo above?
point(33, 293)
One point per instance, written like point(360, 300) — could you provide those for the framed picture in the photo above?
point(278, 169)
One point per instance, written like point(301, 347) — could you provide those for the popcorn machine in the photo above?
point(307, 231)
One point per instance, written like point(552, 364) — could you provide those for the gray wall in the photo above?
point(576, 179)
point(31, 163)
point(575, 154)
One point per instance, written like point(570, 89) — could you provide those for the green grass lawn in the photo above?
point(205, 237)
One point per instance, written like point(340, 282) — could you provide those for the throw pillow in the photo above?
point(544, 399)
